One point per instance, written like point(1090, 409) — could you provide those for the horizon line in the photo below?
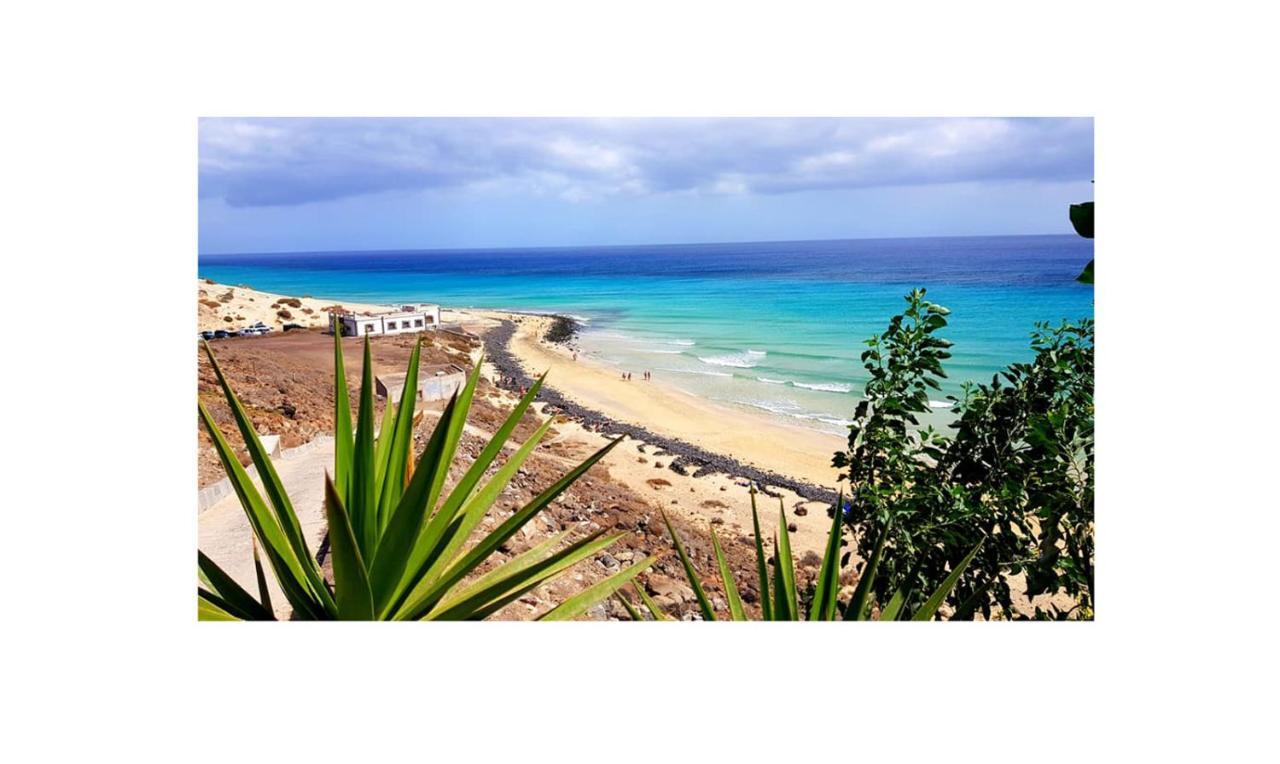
point(621, 246)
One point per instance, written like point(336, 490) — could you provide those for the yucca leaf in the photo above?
point(238, 601)
point(342, 436)
point(280, 554)
point(736, 611)
point(859, 608)
point(583, 600)
point(280, 505)
point(427, 551)
point(264, 596)
point(828, 587)
point(401, 450)
point(474, 510)
point(350, 579)
point(689, 572)
point(382, 442)
point(207, 610)
point(387, 572)
point(650, 605)
point(421, 601)
point(462, 491)
point(632, 613)
point(362, 500)
point(784, 574)
point(891, 610)
point(931, 605)
point(507, 588)
point(762, 568)
point(495, 580)
point(415, 538)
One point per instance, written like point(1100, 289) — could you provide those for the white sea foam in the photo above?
point(826, 387)
point(747, 360)
point(659, 351)
point(790, 409)
point(773, 381)
point(700, 373)
point(685, 343)
point(939, 404)
point(774, 407)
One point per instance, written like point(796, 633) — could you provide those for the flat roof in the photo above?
point(391, 313)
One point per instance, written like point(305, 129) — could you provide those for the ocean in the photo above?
point(768, 326)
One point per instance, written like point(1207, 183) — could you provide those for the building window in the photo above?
point(417, 322)
point(391, 324)
point(368, 328)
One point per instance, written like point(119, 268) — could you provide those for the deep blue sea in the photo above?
point(772, 326)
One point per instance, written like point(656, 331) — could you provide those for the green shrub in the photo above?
point(1017, 470)
point(399, 544)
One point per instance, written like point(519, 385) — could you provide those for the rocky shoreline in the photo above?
point(687, 459)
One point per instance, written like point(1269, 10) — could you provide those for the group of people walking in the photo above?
point(626, 376)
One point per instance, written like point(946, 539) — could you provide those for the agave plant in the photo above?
point(399, 544)
point(784, 605)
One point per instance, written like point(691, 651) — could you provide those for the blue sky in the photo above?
point(269, 185)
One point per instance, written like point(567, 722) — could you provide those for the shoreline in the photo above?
point(702, 437)
point(690, 458)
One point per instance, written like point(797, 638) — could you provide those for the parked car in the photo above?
point(221, 334)
point(291, 327)
point(206, 335)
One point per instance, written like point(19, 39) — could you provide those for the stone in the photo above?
point(662, 586)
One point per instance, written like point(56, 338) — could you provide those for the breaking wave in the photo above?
point(700, 373)
point(826, 387)
point(747, 360)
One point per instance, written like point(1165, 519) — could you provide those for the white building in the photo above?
point(409, 319)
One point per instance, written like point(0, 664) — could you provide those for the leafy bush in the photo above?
point(1018, 470)
point(399, 544)
point(787, 603)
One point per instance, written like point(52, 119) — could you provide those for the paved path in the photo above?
point(224, 530)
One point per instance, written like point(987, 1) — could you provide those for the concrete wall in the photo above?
point(392, 323)
point(431, 386)
point(440, 388)
point(214, 492)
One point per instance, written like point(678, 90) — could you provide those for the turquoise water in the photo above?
point(772, 326)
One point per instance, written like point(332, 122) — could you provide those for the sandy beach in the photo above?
point(662, 407)
point(717, 498)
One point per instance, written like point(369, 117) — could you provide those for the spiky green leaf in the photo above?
point(736, 611)
point(931, 605)
point(703, 603)
point(583, 600)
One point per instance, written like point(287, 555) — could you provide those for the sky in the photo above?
point(293, 185)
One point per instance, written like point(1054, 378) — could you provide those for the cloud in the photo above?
point(269, 162)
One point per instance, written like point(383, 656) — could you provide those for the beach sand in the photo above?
point(666, 410)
